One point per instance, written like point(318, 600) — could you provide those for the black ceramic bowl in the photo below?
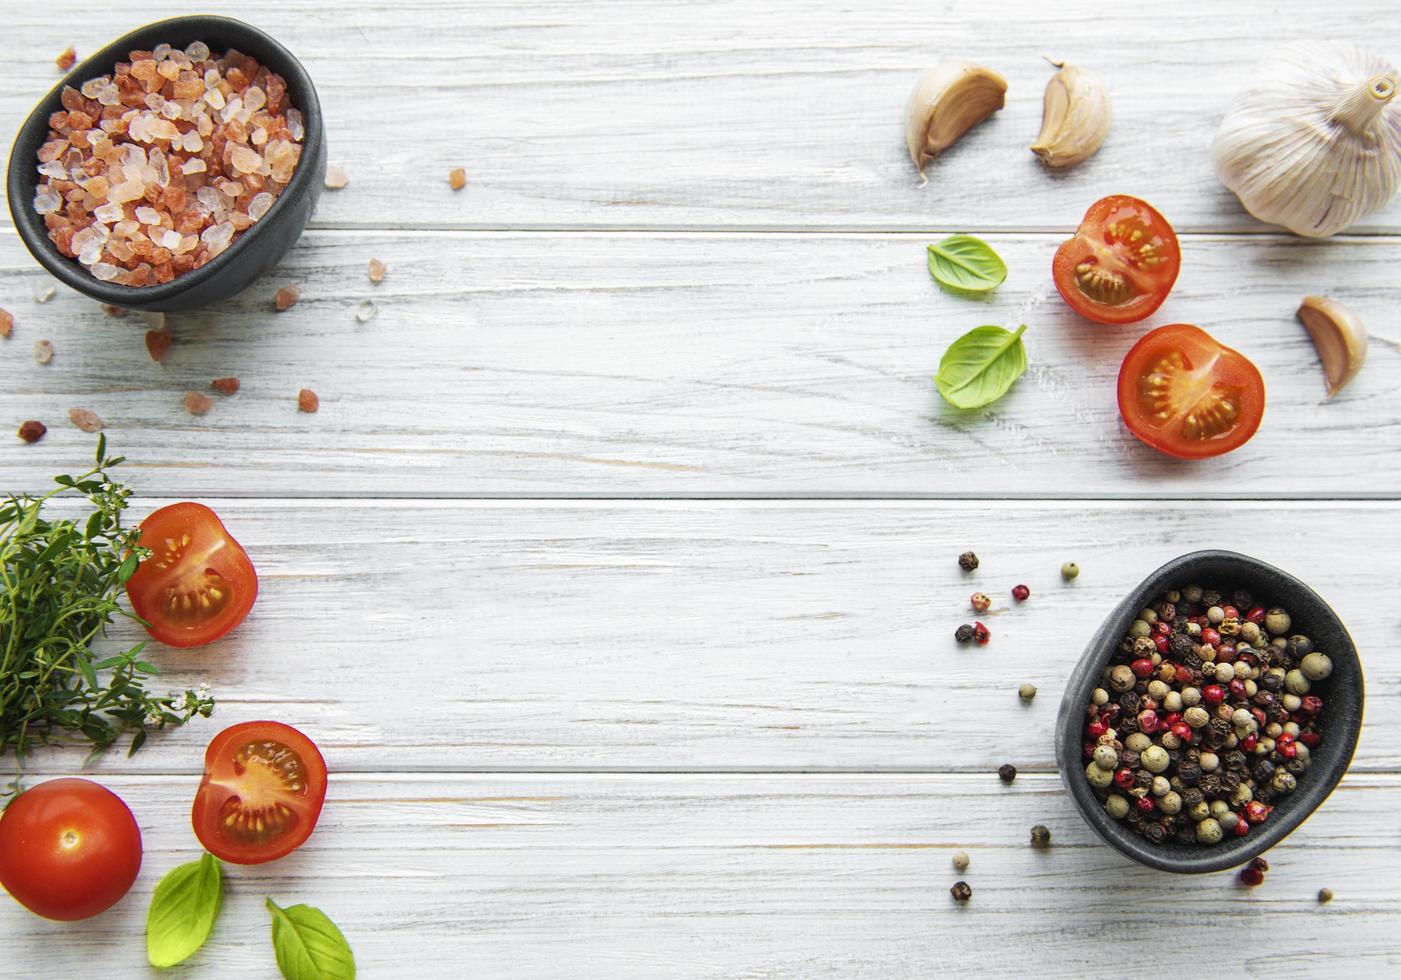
point(256, 249)
point(1339, 724)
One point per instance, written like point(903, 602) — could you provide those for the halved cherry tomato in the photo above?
point(1184, 394)
point(1121, 264)
point(198, 583)
point(69, 849)
point(264, 783)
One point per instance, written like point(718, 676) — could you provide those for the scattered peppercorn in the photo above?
point(1210, 720)
point(980, 602)
point(1040, 837)
point(1069, 570)
point(961, 892)
point(960, 861)
point(1020, 593)
point(968, 561)
point(1007, 772)
point(1325, 895)
point(1026, 692)
point(1254, 873)
point(32, 431)
point(964, 634)
point(981, 634)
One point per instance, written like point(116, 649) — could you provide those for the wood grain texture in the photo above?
point(747, 876)
point(615, 365)
point(738, 113)
point(671, 635)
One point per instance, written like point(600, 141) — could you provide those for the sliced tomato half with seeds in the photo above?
point(198, 583)
point(1187, 395)
point(264, 783)
point(1121, 264)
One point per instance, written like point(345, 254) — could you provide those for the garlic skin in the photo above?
point(947, 101)
point(1339, 336)
point(1075, 117)
point(1314, 144)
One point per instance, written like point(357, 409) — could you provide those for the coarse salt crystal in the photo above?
point(259, 205)
point(160, 52)
point(295, 125)
point(286, 298)
point(53, 169)
point(43, 290)
point(245, 160)
point(109, 213)
point(197, 404)
point(258, 137)
point(365, 310)
point(43, 351)
point(129, 191)
point(198, 51)
point(105, 271)
point(92, 86)
point(336, 178)
point(85, 419)
point(148, 216)
point(377, 270)
point(171, 239)
point(215, 98)
point(91, 252)
point(194, 165)
point(46, 200)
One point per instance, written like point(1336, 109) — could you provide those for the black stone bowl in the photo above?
point(253, 252)
point(1339, 724)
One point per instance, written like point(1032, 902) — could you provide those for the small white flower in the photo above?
point(155, 719)
point(202, 692)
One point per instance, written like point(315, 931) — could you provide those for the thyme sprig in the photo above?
point(60, 580)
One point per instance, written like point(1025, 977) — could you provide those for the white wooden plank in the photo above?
point(716, 636)
point(585, 364)
point(738, 113)
point(747, 876)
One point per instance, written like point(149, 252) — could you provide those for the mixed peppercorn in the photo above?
point(1203, 717)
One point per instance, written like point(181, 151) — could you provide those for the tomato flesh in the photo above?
point(1121, 264)
point(1185, 394)
point(198, 584)
point(69, 849)
point(263, 787)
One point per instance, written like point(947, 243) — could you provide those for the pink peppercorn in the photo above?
point(1123, 779)
point(1161, 642)
point(1020, 593)
point(1141, 667)
point(980, 602)
point(1213, 694)
point(981, 634)
point(1210, 637)
point(1256, 615)
point(1146, 804)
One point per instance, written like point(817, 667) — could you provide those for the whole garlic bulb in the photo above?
point(1314, 143)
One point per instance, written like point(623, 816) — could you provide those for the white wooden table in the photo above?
point(616, 576)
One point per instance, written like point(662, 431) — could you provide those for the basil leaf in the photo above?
point(980, 366)
point(308, 945)
point(966, 264)
point(183, 909)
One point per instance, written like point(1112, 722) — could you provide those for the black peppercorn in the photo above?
point(1263, 771)
point(1128, 758)
point(1181, 645)
point(1007, 772)
point(1299, 646)
point(1142, 778)
point(968, 561)
point(1186, 834)
point(1235, 760)
point(960, 891)
point(1128, 725)
point(1211, 598)
point(964, 634)
point(1242, 600)
point(1192, 662)
point(1155, 832)
point(1230, 779)
point(1191, 797)
point(1272, 682)
point(1040, 837)
point(1190, 773)
point(1210, 784)
point(1297, 766)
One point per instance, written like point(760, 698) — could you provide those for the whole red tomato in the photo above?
point(69, 849)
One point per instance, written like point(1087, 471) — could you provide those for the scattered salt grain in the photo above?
point(67, 59)
point(32, 431)
point(85, 419)
point(286, 298)
point(366, 310)
point(336, 178)
point(225, 386)
point(111, 310)
point(7, 323)
point(197, 404)
point(43, 291)
point(43, 351)
point(457, 179)
point(377, 270)
point(307, 400)
point(155, 320)
point(158, 344)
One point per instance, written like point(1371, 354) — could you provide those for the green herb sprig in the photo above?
point(60, 580)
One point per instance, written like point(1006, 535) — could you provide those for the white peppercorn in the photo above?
point(1277, 622)
point(1294, 682)
point(1157, 690)
point(1291, 702)
point(1316, 666)
point(1191, 696)
point(1099, 778)
point(1137, 742)
point(1100, 697)
point(1105, 757)
point(1199, 811)
point(1172, 702)
point(1138, 628)
point(1154, 758)
point(1196, 716)
point(1219, 807)
point(1117, 806)
point(1171, 803)
point(1208, 761)
point(960, 861)
point(1026, 692)
point(1160, 786)
point(1242, 670)
point(1215, 615)
point(1121, 678)
point(1209, 831)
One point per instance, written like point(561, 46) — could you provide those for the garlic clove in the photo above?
point(947, 101)
point(1339, 337)
point(1074, 117)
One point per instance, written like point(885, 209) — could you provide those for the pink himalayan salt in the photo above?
point(286, 298)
